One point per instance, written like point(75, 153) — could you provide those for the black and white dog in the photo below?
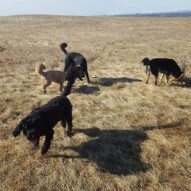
point(165, 66)
point(41, 121)
point(77, 59)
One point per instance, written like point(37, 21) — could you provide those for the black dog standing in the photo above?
point(41, 121)
point(77, 59)
point(165, 66)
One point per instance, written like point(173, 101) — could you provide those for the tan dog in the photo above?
point(47, 77)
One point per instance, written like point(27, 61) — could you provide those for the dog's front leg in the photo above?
point(161, 78)
point(61, 86)
point(63, 123)
point(47, 142)
point(70, 133)
point(68, 87)
point(46, 85)
point(148, 77)
point(167, 80)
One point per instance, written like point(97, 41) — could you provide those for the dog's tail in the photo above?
point(63, 47)
point(39, 68)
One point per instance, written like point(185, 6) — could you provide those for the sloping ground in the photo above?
point(128, 135)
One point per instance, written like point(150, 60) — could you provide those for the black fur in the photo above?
point(41, 121)
point(162, 65)
point(71, 75)
point(77, 59)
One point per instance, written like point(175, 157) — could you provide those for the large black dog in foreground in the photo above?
point(41, 121)
point(165, 66)
point(77, 59)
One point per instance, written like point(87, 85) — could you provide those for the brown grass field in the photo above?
point(128, 135)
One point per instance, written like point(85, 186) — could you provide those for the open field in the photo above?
point(128, 135)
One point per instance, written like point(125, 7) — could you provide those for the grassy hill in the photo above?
point(128, 135)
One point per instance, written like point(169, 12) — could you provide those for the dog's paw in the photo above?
point(44, 151)
point(45, 148)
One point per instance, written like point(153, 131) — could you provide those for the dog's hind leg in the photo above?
point(167, 80)
point(68, 118)
point(63, 123)
point(47, 141)
point(156, 79)
point(160, 80)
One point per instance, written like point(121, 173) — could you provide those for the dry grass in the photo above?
point(129, 135)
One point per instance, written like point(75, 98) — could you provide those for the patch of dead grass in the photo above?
point(128, 135)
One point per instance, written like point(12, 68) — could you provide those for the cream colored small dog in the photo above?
point(47, 77)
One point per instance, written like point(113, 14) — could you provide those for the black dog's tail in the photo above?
point(63, 47)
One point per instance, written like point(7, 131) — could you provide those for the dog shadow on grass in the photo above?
point(94, 89)
point(115, 151)
point(84, 89)
point(187, 83)
point(177, 124)
point(111, 81)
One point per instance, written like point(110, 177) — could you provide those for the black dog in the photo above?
point(41, 121)
point(71, 75)
point(77, 59)
point(165, 66)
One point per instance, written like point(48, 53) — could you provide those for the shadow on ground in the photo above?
point(2, 49)
point(187, 83)
point(177, 124)
point(87, 90)
point(111, 81)
point(114, 151)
